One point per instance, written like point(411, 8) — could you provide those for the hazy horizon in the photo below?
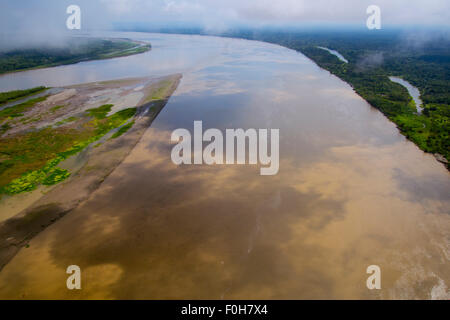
point(31, 23)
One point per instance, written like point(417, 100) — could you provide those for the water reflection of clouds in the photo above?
point(235, 228)
point(220, 83)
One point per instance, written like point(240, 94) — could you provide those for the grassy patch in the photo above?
point(113, 121)
point(26, 153)
point(57, 175)
point(29, 120)
point(31, 159)
point(100, 112)
point(160, 92)
point(122, 130)
point(18, 110)
point(68, 120)
point(11, 96)
point(55, 108)
point(4, 127)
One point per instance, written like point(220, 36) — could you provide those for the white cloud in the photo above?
point(257, 11)
point(36, 15)
point(118, 6)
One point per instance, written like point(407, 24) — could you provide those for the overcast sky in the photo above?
point(282, 11)
point(217, 13)
point(46, 18)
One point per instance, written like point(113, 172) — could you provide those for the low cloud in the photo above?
point(419, 39)
point(43, 21)
point(371, 60)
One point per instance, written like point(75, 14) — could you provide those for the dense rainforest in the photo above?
point(373, 56)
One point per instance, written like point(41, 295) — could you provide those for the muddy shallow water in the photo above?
point(351, 191)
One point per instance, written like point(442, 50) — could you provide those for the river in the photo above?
point(335, 53)
point(413, 92)
point(351, 191)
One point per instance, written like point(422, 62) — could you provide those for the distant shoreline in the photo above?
point(137, 48)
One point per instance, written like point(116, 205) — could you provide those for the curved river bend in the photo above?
point(413, 92)
point(351, 191)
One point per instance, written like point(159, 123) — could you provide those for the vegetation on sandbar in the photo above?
point(11, 96)
point(18, 110)
point(31, 159)
point(123, 129)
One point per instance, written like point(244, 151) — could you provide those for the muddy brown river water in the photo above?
point(351, 191)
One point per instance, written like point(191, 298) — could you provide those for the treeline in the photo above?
point(373, 57)
point(75, 50)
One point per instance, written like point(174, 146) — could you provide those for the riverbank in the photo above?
point(427, 125)
point(76, 50)
point(366, 60)
point(91, 165)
